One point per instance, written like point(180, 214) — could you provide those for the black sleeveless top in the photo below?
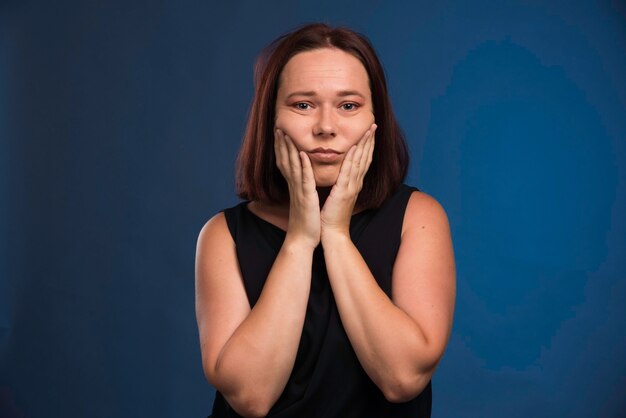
point(327, 379)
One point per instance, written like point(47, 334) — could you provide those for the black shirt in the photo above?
point(327, 379)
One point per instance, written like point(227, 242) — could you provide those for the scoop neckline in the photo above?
point(247, 209)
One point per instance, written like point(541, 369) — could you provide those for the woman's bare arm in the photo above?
point(248, 354)
point(398, 341)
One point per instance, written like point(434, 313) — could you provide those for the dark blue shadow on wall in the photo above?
point(524, 158)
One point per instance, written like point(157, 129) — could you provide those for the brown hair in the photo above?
point(258, 177)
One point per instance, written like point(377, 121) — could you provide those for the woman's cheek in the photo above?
point(292, 127)
point(364, 120)
point(285, 125)
point(363, 125)
point(278, 122)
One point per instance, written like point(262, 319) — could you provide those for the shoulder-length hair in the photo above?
point(258, 177)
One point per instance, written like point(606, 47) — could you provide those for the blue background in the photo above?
point(119, 127)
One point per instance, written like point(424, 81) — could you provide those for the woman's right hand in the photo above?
point(304, 207)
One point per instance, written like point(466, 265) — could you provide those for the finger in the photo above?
point(370, 155)
point(357, 162)
point(366, 147)
point(367, 156)
point(294, 160)
point(365, 142)
point(308, 178)
point(344, 172)
point(285, 165)
point(372, 146)
point(361, 167)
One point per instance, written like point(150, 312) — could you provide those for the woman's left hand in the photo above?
point(338, 208)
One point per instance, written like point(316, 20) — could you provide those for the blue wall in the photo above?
point(119, 126)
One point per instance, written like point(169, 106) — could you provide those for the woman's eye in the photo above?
point(349, 106)
point(302, 106)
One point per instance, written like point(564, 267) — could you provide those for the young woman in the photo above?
point(328, 292)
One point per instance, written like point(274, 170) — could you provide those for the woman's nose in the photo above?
point(325, 124)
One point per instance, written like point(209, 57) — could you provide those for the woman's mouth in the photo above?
point(325, 155)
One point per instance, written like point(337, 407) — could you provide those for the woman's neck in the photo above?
point(322, 193)
point(281, 210)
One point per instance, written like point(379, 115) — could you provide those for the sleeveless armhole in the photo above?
point(409, 192)
point(231, 219)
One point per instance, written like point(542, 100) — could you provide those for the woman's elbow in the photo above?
point(252, 409)
point(407, 388)
point(249, 407)
point(247, 402)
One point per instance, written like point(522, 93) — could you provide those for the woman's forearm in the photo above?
point(389, 344)
point(255, 363)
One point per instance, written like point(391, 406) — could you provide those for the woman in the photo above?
point(328, 292)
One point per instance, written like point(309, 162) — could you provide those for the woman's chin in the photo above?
point(326, 180)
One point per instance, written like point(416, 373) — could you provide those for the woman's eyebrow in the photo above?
point(341, 93)
point(301, 93)
point(350, 93)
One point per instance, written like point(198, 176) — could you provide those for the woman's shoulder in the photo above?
point(224, 220)
point(219, 225)
point(423, 209)
point(215, 229)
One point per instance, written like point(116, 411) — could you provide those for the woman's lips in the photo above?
point(325, 155)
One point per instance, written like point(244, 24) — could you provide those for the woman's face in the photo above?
point(324, 103)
